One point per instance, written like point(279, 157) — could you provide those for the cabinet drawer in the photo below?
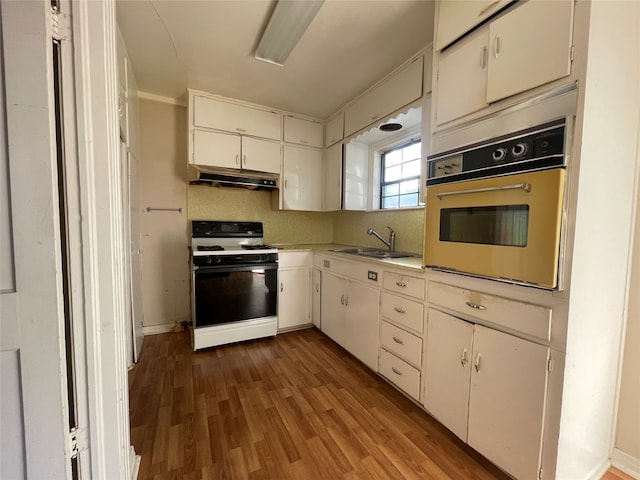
point(403, 311)
point(402, 343)
point(289, 259)
point(404, 284)
point(523, 317)
point(400, 373)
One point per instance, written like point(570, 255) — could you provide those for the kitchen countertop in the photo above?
point(412, 263)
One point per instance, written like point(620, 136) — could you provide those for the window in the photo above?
point(400, 179)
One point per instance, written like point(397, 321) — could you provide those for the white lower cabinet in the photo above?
point(489, 388)
point(350, 316)
point(316, 292)
point(294, 290)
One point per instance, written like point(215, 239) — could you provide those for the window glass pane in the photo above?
point(412, 152)
point(411, 169)
point(392, 174)
point(410, 200)
point(394, 157)
point(391, 189)
point(409, 186)
point(390, 202)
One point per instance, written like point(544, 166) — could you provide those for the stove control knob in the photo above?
point(217, 260)
point(208, 260)
point(499, 154)
point(519, 149)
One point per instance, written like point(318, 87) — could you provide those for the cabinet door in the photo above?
point(302, 171)
point(529, 47)
point(216, 149)
point(455, 18)
point(448, 371)
point(335, 130)
point(332, 189)
point(362, 327)
point(332, 307)
point(356, 176)
point(316, 294)
point(462, 78)
point(261, 155)
point(507, 399)
point(231, 117)
point(294, 298)
point(302, 132)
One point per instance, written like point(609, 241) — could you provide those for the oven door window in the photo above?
point(235, 294)
point(505, 225)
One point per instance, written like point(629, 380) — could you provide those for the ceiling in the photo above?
point(209, 45)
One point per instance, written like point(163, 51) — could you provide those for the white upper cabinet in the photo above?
point(302, 132)
point(511, 55)
point(457, 17)
point(462, 78)
point(231, 117)
point(216, 149)
point(335, 130)
point(394, 93)
point(302, 174)
point(355, 181)
point(332, 191)
point(530, 46)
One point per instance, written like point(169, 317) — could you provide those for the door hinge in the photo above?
point(73, 442)
point(60, 25)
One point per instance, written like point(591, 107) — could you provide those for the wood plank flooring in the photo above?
point(293, 407)
point(296, 406)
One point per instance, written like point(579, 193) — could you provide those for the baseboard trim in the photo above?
point(155, 329)
point(626, 463)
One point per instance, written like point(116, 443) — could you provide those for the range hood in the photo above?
point(223, 177)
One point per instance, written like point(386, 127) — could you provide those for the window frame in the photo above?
point(406, 142)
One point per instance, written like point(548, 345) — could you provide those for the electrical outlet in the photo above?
point(371, 275)
point(326, 264)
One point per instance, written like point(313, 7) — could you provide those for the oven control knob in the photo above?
point(499, 154)
point(217, 260)
point(208, 260)
point(519, 149)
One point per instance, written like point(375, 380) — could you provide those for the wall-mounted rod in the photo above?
point(152, 209)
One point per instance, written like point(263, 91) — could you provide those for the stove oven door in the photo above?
point(223, 295)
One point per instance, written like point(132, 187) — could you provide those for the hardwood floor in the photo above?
point(297, 406)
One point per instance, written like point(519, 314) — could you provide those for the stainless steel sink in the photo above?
point(373, 252)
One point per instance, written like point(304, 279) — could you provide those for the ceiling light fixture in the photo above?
point(288, 23)
point(390, 127)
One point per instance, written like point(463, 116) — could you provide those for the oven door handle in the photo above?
point(199, 270)
point(521, 186)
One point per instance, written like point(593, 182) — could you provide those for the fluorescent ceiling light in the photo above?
point(289, 21)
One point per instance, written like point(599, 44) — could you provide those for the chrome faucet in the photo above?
point(392, 238)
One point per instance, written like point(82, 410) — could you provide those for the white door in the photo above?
point(294, 298)
point(361, 322)
point(261, 155)
point(216, 149)
point(332, 307)
point(302, 170)
point(507, 399)
point(448, 371)
point(35, 412)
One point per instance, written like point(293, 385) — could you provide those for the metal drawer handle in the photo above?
point(398, 340)
point(476, 364)
point(396, 371)
point(401, 284)
point(488, 7)
point(240, 130)
point(342, 299)
point(476, 306)
point(399, 310)
point(524, 186)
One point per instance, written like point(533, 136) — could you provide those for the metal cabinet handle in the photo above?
point(464, 360)
point(488, 7)
point(398, 340)
point(346, 301)
point(342, 299)
point(285, 183)
point(524, 186)
point(317, 287)
point(483, 57)
point(304, 142)
point(399, 310)
point(476, 306)
point(237, 159)
point(396, 371)
point(401, 284)
point(281, 287)
point(496, 46)
point(476, 364)
point(240, 130)
point(244, 159)
point(374, 117)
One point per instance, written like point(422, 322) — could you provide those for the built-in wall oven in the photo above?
point(234, 283)
point(495, 208)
